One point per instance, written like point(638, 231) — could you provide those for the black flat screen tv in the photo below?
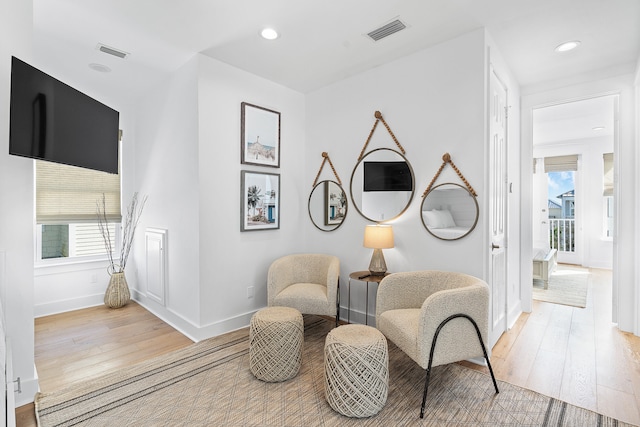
point(50, 120)
point(387, 176)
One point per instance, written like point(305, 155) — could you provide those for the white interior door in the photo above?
point(498, 206)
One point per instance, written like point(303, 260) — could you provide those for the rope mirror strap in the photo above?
point(446, 158)
point(379, 118)
point(326, 158)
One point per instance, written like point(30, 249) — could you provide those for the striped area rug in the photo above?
point(209, 384)
point(568, 285)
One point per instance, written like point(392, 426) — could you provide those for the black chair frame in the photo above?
point(433, 347)
point(338, 303)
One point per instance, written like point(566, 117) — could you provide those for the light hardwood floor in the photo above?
point(576, 355)
point(77, 345)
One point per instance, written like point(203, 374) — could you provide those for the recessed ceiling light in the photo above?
point(269, 34)
point(567, 46)
point(598, 128)
point(99, 67)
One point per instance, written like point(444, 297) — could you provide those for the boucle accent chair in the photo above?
point(417, 310)
point(307, 282)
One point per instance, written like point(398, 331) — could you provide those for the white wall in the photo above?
point(16, 206)
point(230, 260)
point(165, 142)
point(434, 102)
point(187, 150)
point(63, 288)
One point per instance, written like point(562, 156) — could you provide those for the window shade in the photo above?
point(67, 194)
point(561, 163)
point(608, 174)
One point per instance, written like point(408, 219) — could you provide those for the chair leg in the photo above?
point(424, 395)
point(433, 347)
point(338, 303)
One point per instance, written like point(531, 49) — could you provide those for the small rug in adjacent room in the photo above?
point(568, 285)
point(210, 384)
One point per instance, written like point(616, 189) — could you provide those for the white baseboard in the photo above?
point(193, 331)
point(70, 304)
point(358, 316)
point(513, 314)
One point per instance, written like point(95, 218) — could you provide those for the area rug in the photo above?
point(568, 285)
point(210, 384)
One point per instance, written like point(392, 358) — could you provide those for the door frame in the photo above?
point(529, 104)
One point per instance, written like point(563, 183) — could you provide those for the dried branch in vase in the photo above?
point(134, 211)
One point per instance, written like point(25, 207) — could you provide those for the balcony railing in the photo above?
point(562, 234)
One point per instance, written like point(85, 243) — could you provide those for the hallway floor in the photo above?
point(574, 354)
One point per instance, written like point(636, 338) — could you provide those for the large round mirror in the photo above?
point(449, 211)
point(327, 205)
point(382, 185)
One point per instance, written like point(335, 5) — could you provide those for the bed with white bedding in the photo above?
point(441, 224)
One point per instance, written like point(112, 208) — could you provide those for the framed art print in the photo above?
point(260, 201)
point(260, 136)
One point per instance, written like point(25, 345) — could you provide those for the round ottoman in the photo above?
point(276, 335)
point(356, 370)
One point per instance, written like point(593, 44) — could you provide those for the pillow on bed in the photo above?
point(430, 218)
point(446, 218)
point(438, 219)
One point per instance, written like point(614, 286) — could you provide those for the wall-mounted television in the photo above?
point(50, 120)
point(387, 176)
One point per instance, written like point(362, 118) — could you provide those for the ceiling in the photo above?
point(574, 121)
point(322, 42)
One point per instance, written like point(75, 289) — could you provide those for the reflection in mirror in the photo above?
point(449, 211)
point(327, 205)
point(382, 185)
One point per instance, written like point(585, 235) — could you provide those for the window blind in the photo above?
point(66, 194)
point(608, 174)
point(561, 163)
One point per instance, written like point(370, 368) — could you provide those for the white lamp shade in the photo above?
point(378, 237)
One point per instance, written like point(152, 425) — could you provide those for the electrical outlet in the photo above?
point(94, 278)
point(250, 292)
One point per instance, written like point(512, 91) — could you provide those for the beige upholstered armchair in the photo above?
point(417, 310)
point(307, 282)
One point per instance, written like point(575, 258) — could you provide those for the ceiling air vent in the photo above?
point(112, 51)
point(386, 30)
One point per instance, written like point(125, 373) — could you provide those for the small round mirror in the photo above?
point(327, 205)
point(449, 211)
point(382, 185)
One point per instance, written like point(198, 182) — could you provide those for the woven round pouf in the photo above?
point(276, 335)
point(356, 370)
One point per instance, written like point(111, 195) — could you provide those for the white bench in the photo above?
point(544, 262)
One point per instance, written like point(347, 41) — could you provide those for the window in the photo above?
point(66, 198)
point(74, 240)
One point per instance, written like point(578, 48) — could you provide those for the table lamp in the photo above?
point(378, 237)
